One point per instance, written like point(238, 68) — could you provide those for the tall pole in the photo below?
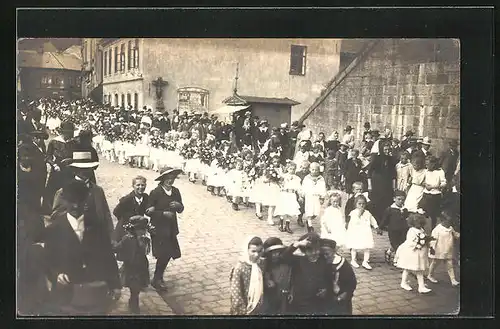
point(235, 90)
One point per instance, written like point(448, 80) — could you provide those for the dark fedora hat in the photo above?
point(166, 171)
point(348, 128)
point(67, 126)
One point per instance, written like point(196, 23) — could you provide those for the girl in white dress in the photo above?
point(313, 193)
point(155, 149)
point(266, 188)
point(359, 234)
point(412, 254)
point(183, 140)
point(142, 147)
point(442, 249)
point(215, 179)
point(193, 165)
point(236, 181)
point(333, 221)
point(416, 191)
point(287, 205)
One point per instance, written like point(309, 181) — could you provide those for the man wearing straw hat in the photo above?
point(82, 166)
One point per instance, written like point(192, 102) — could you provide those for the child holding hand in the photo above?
point(442, 248)
point(359, 233)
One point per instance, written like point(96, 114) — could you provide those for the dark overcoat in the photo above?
point(91, 259)
point(164, 239)
point(126, 208)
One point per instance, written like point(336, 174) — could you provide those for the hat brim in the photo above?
point(425, 143)
point(173, 172)
point(275, 247)
point(87, 165)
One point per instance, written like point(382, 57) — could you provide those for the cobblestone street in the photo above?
point(210, 240)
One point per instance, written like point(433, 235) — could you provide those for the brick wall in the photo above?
point(411, 84)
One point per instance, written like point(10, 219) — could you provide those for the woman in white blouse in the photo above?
point(435, 182)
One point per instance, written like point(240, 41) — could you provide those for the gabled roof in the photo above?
point(49, 60)
point(245, 100)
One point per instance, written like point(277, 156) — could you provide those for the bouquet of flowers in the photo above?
point(206, 155)
point(170, 145)
point(155, 141)
point(272, 174)
point(188, 151)
point(253, 174)
point(422, 240)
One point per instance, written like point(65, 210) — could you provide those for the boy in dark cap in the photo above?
point(277, 278)
point(310, 276)
point(343, 281)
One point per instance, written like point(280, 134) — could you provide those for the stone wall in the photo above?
point(403, 84)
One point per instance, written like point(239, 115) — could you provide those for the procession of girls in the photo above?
point(383, 184)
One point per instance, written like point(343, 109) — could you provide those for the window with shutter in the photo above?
point(117, 60)
point(129, 55)
point(105, 63)
point(298, 60)
point(122, 58)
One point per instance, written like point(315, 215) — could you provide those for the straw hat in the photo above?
point(168, 171)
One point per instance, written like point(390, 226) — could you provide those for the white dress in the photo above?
point(216, 175)
point(313, 189)
point(359, 233)
point(333, 226)
point(287, 203)
point(265, 192)
point(444, 243)
point(416, 190)
point(408, 256)
point(142, 147)
point(236, 181)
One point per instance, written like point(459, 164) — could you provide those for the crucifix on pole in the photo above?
point(235, 90)
point(159, 84)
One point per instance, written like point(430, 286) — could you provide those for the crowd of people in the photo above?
point(347, 187)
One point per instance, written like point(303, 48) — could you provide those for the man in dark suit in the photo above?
point(33, 124)
point(83, 165)
point(32, 287)
point(449, 161)
point(81, 264)
point(36, 162)
point(130, 205)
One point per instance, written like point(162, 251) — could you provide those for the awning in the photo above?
point(230, 109)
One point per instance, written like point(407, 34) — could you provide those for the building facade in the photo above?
point(48, 72)
point(199, 74)
point(92, 71)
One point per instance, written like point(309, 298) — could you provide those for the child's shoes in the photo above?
point(406, 286)
point(455, 283)
point(366, 266)
point(354, 264)
point(424, 290)
point(432, 279)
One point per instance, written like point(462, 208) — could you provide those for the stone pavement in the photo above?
point(211, 234)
